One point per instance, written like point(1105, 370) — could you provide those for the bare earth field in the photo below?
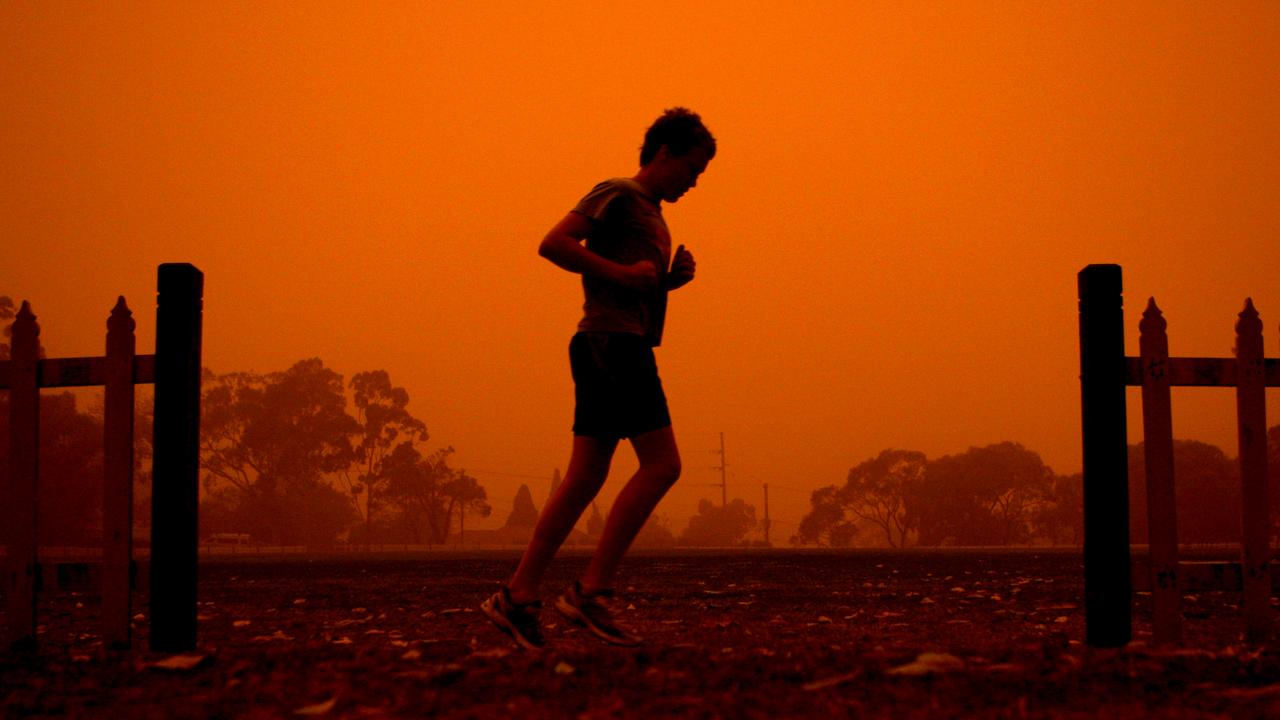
point(765, 634)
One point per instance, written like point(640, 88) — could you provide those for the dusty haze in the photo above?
point(887, 242)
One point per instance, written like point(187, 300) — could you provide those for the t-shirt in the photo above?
point(627, 227)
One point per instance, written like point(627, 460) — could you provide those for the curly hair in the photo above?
point(681, 130)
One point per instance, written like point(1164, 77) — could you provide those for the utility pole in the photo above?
point(766, 516)
point(724, 485)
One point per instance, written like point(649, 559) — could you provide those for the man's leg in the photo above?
point(588, 468)
point(659, 470)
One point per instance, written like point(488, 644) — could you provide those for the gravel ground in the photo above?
point(763, 634)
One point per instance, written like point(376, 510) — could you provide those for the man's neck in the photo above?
point(649, 184)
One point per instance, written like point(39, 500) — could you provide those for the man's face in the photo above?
point(684, 171)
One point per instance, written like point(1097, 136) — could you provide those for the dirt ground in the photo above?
point(755, 635)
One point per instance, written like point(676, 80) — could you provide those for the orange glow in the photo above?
point(887, 241)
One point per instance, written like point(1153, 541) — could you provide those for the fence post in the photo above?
point(117, 485)
point(24, 460)
point(1107, 585)
point(1162, 514)
point(175, 475)
point(1251, 410)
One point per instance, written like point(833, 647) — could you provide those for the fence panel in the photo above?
point(1108, 619)
point(175, 369)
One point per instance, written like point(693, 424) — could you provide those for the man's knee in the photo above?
point(658, 455)
point(664, 469)
point(675, 468)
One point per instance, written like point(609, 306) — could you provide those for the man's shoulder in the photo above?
point(611, 196)
point(632, 189)
point(619, 186)
point(625, 183)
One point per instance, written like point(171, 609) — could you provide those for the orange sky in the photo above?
point(887, 242)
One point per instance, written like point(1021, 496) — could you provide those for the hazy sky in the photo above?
point(887, 242)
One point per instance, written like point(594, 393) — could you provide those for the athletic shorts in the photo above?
point(616, 388)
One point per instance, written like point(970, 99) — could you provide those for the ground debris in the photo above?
point(1266, 692)
point(320, 708)
point(929, 664)
point(833, 681)
point(781, 635)
point(181, 663)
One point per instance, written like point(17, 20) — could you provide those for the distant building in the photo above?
point(518, 529)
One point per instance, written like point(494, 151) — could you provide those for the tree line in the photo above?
point(713, 525)
point(288, 458)
point(302, 457)
point(297, 457)
point(1004, 495)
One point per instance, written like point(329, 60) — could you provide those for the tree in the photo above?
point(882, 491)
point(827, 522)
point(426, 491)
point(415, 487)
point(386, 426)
point(321, 513)
point(1206, 490)
point(6, 318)
point(70, 492)
point(143, 435)
point(7, 313)
point(986, 496)
point(69, 499)
point(466, 494)
point(272, 439)
point(719, 526)
point(1061, 519)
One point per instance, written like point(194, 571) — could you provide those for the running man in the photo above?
point(627, 269)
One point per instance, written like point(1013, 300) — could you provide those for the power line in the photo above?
point(510, 474)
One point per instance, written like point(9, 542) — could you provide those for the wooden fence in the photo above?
point(1105, 371)
point(175, 371)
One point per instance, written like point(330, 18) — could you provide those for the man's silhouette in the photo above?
point(627, 269)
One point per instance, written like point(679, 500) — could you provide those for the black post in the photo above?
point(19, 492)
point(1107, 584)
point(175, 473)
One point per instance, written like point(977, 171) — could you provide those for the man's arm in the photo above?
point(563, 246)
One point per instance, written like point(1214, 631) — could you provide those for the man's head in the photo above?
point(676, 150)
point(681, 130)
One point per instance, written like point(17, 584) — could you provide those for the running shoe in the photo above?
point(589, 612)
point(519, 620)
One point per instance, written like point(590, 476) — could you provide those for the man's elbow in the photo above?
point(555, 246)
